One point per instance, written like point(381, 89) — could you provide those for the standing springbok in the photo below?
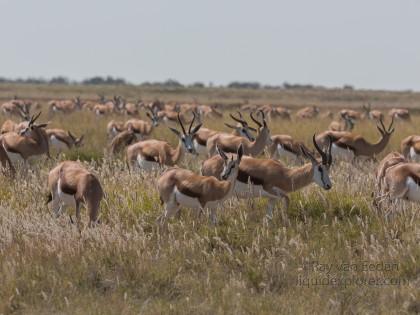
point(272, 179)
point(400, 114)
point(410, 148)
point(398, 179)
point(230, 143)
point(307, 112)
point(241, 129)
point(183, 188)
point(151, 154)
point(352, 114)
point(351, 145)
point(31, 141)
point(285, 147)
point(62, 140)
point(71, 185)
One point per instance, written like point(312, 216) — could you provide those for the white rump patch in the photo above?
point(413, 192)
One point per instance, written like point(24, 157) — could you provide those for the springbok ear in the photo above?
point(221, 153)
point(196, 128)
point(175, 131)
point(240, 152)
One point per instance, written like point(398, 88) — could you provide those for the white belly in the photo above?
point(341, 154)
point(243, 190)
point(65, 199)
point(200, 149)
point(146, 165)
point(186, 201)
point(413, 192)
point(57, 144)
point(413, 155)
point(282, 153)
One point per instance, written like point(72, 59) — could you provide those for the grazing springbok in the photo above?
point(230, 143)
point(113, 128)
point(410, 148)
point(400, 114)
point(71, 185)
point(372, 114)
point(351, 145)
point(151, 154)
point(352, 114)
point(64, 106)
point(396, 178)
point(15, 107)
point(183, 188)
point(308, 112)
point(31, 141)
point(143, 128)
point(285, 147)
point(272, 179)
point(62, 140)
point(240, 129)
point(345, 124)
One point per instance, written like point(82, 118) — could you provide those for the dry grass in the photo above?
point(244, 265)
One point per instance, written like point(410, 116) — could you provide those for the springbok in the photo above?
point(372, 114)
point(400, 114)
point(351, 145)
point(65, 106)
point(122, 140)
point(143, 128)
point(284, 146)
point(352, 114)
point(230, 143)
point(398, 179)
point(410, 148)
point(345, 124)
point(71, 185)
point(113, 128)
point(272, 179)
point(308, 112)
point(10, 125)
point(183, 188)
point(62, 140)
point(31, 141)
point(151, 154)
point(240, 129)
point(15, 107)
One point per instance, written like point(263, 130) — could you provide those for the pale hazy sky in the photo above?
point(366, 43)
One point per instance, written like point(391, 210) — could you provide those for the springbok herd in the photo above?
point(245, 163)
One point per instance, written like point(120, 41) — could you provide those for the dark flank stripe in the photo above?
point(246, 178)
point(188, 192)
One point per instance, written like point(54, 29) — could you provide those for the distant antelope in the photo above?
point(308, 112)
point(150, 154)
point(113, 128)
point(31, 141)
point(410, 148)
point(352, 114)
point(62, 140)
point(346, 124)
point(122, 140)
point(351, 145)
point(71, 185)
point(143, 128)
point(15, 107)
point(271, 179)
point(65, 106)
point(230, 143)
point(183, 188)
point(398, 179)
point(372, 114)
point(400, 114)
point(10, 125)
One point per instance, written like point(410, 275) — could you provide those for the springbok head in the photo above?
point(78, 142)
point(32, 127)
point(263, 129)
point(244, 129)
point(187, 137)
point(385, 132)
point(153, 117)
point(230, 166)
point(320, 168)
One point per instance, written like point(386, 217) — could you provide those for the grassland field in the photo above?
point(243, 265)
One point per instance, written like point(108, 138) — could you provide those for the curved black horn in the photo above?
point(322, 153)
point(34, 118)
point(254, 120)
point(391, 124)
point(182, 126)
point(243, 122)
point(329, 155)
point(192, 122)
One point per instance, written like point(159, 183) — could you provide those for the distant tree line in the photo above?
point(170, 83)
